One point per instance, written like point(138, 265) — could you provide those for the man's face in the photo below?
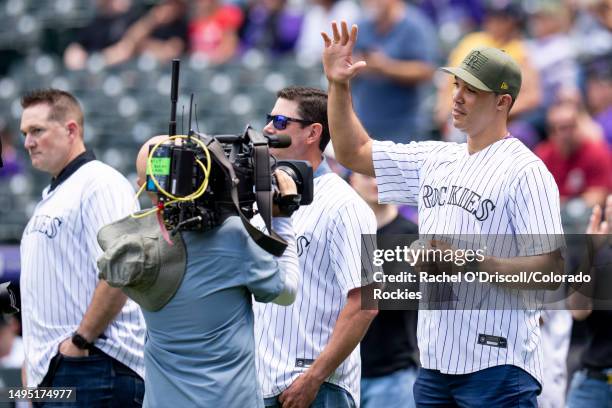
point(47, 141)
point(297, 131)
point(544, 24)
point(499, 25)
point(473, 109)
point(603, 11)
point(563, 126)
point(376, 9)
point(599, 94)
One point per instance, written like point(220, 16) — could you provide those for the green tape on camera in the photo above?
point(159, 166)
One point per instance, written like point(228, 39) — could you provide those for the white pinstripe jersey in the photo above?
point(503, 190)
point(328, 234)
point(59, 250)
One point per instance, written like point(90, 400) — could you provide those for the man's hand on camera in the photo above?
point(286, 187)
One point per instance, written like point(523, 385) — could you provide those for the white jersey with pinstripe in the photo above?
point(328, 233)
point(59, 249)
point(503, 190)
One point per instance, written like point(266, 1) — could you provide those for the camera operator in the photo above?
point(200, 349)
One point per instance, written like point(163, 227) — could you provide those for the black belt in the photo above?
point(599, 375)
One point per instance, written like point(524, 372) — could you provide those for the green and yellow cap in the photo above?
point(489, 69)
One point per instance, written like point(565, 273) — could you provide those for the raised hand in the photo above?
point(601, 229)
point(338, 61)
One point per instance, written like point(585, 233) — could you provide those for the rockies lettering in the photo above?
point(44, 224)
point(463, 197)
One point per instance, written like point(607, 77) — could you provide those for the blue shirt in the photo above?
point(389, 110)
point(200, 347)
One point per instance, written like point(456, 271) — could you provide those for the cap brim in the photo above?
point(467, 77)
point(172, 263)
point(168, 280)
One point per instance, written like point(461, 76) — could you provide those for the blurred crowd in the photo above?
point(564, 48)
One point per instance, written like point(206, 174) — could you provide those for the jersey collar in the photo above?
point(73, 166)
point(322, 169)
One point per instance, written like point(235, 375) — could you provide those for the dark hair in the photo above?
point(61, 102)
point(312, 106)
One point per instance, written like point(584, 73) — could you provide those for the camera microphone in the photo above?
point(279, 141)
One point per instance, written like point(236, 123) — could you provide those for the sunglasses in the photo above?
point(280, 122)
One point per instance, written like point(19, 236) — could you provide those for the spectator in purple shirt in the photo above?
point(599, 94)
point(12, 164)
point(270, 25)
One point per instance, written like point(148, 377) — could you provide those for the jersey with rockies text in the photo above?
point(328, 235)
point(501, 191)
point(59, 250)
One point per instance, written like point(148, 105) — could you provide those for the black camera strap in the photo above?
point(272, 243)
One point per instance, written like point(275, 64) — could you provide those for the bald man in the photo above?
point(204, 335)
point(141, 162)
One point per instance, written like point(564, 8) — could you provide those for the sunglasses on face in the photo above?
point(280, 122)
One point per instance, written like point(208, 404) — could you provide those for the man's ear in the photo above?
point(316, 130)
point(504, 102)
point(73, 129)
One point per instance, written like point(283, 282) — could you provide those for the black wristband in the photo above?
point(287, 204)
point(81, 342)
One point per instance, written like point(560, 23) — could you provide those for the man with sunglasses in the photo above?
point(308, 353)
point(484, 348)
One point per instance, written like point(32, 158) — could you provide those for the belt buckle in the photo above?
point(609, 375)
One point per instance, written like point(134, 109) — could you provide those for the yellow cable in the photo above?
point(135, 215)
point(197, 194)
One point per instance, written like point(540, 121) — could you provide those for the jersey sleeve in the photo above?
point(346, 236)
point(288, 261)
point(535, 211)
point(263, 276)
point(398, 169)
point(107, 200)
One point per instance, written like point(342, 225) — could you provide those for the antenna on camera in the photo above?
point(196, 117)
point(183, 119)
point(174, 96)
point(190, 110)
